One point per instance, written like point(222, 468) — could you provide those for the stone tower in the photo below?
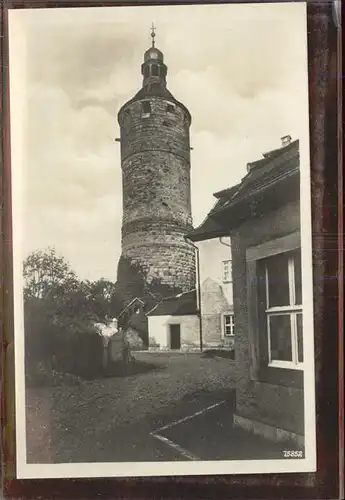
point(155, 161)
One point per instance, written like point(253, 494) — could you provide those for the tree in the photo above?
point(132, 282)
point(45, 272)
point(59, 332)
point(101, 297)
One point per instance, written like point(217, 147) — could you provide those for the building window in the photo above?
point(170, 108)
point(146, 72)
point(146, 107)
point(154, 70)
point(228, 325)
point(283, 309)
point(226, 271)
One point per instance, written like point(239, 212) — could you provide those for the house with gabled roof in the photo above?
point(261, 216)
point(174, 323)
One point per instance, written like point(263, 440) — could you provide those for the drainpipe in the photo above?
point(223, 242)
point(199, 290)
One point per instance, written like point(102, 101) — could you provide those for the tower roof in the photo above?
point(154, 73)
point(156, 91)
point(153, 54)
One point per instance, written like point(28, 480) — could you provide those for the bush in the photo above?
point(79, 349)
point(153, 343)
point(134, 340)
point(59, 333)
point(59, 344)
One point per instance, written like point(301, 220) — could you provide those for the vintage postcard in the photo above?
point(162, 240)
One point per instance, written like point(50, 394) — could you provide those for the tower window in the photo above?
point(146, 106)
point(170, 108)
point(146, 71)
point(154, 70)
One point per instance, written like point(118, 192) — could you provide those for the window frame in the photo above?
point(154, 70)
point(259, 369)
point(232, 324)
point(291, 310)
point(229, 271)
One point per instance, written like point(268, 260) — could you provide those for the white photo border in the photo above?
point(18, 61)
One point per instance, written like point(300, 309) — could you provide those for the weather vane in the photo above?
point(153, 34)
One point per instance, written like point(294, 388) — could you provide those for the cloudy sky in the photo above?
point(241, 70)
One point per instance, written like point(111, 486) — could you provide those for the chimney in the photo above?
point(286, 140)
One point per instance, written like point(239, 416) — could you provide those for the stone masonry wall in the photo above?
point(172, 265)
point(213, 304)
point(156, 183)
point(272, 404)
point(159, 130)
point(155, 153)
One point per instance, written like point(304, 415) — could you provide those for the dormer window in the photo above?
point(146, 108)
point(170, 108)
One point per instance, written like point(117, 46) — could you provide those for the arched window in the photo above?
point(154, 70)
point(146, 71)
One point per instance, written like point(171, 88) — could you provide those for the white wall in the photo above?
point(216, 299)
point(159, 330)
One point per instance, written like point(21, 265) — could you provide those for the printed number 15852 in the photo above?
point(292, 454)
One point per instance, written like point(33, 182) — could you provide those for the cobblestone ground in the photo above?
point(110, 419)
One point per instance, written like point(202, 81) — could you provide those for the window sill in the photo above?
point(284, 309)
point(286, 365)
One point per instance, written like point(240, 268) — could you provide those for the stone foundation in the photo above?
point(270, 432)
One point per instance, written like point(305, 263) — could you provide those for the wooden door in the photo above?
point(175, 336)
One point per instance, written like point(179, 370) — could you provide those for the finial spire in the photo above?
point(153, 34)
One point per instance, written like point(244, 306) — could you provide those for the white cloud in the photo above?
point(239, 69)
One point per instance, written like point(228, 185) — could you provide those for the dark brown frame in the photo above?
point(325, 123)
